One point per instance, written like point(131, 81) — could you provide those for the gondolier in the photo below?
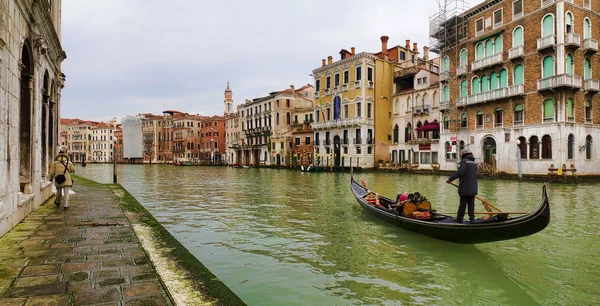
point(467, 188)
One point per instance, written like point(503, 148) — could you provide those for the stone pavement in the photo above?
point(87, 255)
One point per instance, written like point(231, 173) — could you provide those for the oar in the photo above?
point(481, 199)
point(494, 213)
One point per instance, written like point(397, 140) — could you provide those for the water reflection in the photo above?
point(280, 237)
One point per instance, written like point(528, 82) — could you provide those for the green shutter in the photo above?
point(464, 57)
point(446, 93)
point(498, 44)
point(498, 109)
point(503, 78)
point(475, 86)
point(549, 108)
point(463, 116)
point(587, 29)
point(479, 112)
point(588, 104)
point(463, 88)
point(493, 81)
point(569, 108)
point(518, 75)
point(484, 83)
point(548, 26)
point(480, 52)
point(518, 37)
point(587, 70)
point(519, 107)
point(548, 66)
point(489, 47)
point(446, 64)
point(569, 64)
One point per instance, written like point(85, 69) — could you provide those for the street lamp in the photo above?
point(518, 142)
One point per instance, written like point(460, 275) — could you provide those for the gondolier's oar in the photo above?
point(493, 213)
point(481, 199)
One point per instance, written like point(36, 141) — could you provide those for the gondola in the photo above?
point(443, 227)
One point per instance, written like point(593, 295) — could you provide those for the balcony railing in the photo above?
point(547, 2)
point(545, 42)
point(316, 94)
point(590, 45)
point(571, 119)
point(327, 142)
point(342, 123)
point(345, 86)
point(444, 105)
point(496, 94)
point(461, 70)
point(516, 52)
point(370, 141)
point(588, 120)
point(421, 109)
point(549, 120)
point(561, 80)
point(591, 85)
point(345, 141)
point(444, 75)
point(516, 90)
point(487, 61)
point(370, 84)
point(572, 39)
point(357, 141)
point(357, 84)
point(462, 101)
point(317, 142)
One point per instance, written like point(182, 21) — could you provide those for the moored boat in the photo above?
point(496, 228)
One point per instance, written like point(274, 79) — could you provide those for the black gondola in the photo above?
point(445, 228)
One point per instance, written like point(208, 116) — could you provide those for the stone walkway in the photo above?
point(87, 255)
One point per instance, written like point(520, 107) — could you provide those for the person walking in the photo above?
point(467, 188)
point(60, 173)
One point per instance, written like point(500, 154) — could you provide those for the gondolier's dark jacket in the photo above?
point(467, 172)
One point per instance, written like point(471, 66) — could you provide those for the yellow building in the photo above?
point(353, 105)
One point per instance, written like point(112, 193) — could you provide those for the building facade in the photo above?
point(522, 87)
point(31, 81)
point(212, 140)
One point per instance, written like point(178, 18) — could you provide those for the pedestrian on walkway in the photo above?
point(467, 189)
point(60, 172)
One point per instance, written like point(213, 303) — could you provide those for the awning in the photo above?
point(431, 126)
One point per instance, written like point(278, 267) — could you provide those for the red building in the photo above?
point(302, 145)
point(212, 141)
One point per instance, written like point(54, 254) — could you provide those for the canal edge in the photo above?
point(187, 280)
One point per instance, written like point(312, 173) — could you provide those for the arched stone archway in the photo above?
point(45, 128)
point(489, 149)
point(25, 112)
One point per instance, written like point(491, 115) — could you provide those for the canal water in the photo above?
point(279, 237)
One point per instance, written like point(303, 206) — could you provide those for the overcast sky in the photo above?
point(135, 56)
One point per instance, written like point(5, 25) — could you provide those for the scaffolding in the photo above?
point(448, 31)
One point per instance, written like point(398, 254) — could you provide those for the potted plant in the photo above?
point(380, 163)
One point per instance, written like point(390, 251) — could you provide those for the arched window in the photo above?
point(408, 133)
point(518, 75)
point(408, 104)
point(463, 120)
point(419, 133)
point(463, 88)
point(523, 147)
point(534, 148)
point(548, 25)
point(569, 23)
point(446, 64)
point(396, 133)
point(448, 150)
point(417, 100)
point(587, 28)
point(570, 110)
point(587, 69)
point(518, 114)
point(548, 67)
point(479, 119)
point(288, 118)
point(489, 47)
point(498, 117)
point(424, 100)
point(570, 145)
point(546, 147)
point(498, 44)
point(446, 123)
point(569, 64)
point(549, 110)
point(464, 58)
point(503, 78)
point(397, 106)
point(475, 86)
point(588, 147)
point(588, 111)
point(480, 52)
point(435, 99)
point(454, 150)
point(436, 133)
point(277, 118)
point(446, 93)
point(493, 80)
point(517, 37)
point(485, 83)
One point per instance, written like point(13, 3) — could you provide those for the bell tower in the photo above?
point(228, 100)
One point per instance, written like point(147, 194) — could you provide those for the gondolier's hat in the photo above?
point(465, 152)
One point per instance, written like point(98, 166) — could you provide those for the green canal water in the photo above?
point(278, 237)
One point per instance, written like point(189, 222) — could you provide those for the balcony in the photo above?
point(444, 105)
point(345, 86)
point(462, 101)
point(370, 84)
point(516, 52)
point(421, 109)
point(591, 85)
point(342, 123)
point(345, 141)
point(546, 42)
point(558, 81)
point(492, 95)
point(316, 94)
point(326, 92)
point(572, 40)
point(461, 70)
point(317, 142)
point(444, 75)
point(327, 142)
point(357, 84)
point(357, 141)
point(370, 141)
point(590, 45)
point(487, 62)
point(547, 2)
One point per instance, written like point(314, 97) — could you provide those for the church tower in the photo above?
point(228, 100)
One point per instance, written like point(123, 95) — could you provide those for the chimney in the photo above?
point(384, 40)
point(329, 60)
point(292, 87)
point(352, 50)
point(415, 48)
point(323, 63)
point(426, 53)
point(407, 46)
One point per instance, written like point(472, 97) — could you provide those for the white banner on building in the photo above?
point(132, 136)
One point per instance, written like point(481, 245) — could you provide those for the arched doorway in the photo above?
point(26, 89)
point(336, 151)
point(489, 149)
point(45, 127)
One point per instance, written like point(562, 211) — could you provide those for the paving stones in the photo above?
point(88, 255)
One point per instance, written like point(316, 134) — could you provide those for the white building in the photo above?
point(102, 143)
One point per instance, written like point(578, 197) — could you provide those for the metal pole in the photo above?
point(519, 161)
point(115, 162)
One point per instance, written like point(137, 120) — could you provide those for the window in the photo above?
point(446, 123)
point(446, 93)
point(434, 158)
point(419, 81)
point(358, 110)
point(464, 58)
point(479, 26)
point(396, 132)
point(523, 147)
point(346, 77)
point(548, 26)
point(328, 114)
point(463, 120)
point(408, 132)
point(570, 145)
point(569, 64)
point(548, 67)
point(369, 110)
point(588, 111)
point(479, 51)
point(318, 85)
point(402, 56)
point(503, 78)
point(493, 80)
point(425, 158)
point(424, 80)
point(588, 147)
point(570, 114)
point(337, 80)
point(415, 158)
point(534, 148)
point(369, 74)
point(297, 141)
point(358, 73)
point(287, 103)
point(485, 83)
point(475, 86)
point(518, 75)
point(498, 44)
point(517, 9)
point(277, 119)
point(463, 88)
point(546, 147)
point(446, 64)
point(345, 111)
point(587, 28)
point(479, 119)
point(498, 115)
point(549, 110)
point(448, 150)
point(587, 69)
point(518, 114)
point(497, 18)
point(327, 82)
point(569, 23)
point(587, 4)
point(489, 47)
point(317, 115)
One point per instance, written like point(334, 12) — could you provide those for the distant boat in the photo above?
point(83, 164)
point(307, 169)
